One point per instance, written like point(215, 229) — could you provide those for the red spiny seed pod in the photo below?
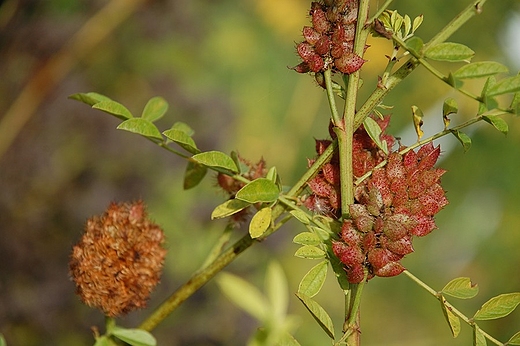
point(322, 46)
point(310, 35)
point(118, 261)
point(349, 63)
point(319, 21)
point(302, 67)
point(330, 39)
point(397, 202)
point(305, 51)
point(316, 63)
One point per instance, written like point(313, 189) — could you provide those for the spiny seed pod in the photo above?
point(397, 202)
point(320, 21)
point(305, 51)
point(310, 35)
point(118, 261)
point(329, 43)
point(349, 63)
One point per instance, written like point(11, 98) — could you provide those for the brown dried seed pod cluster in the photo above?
point(329, 43)
point(395, 204)
point(118, 261)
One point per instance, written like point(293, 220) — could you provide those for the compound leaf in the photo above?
point(134, 337)
point(260, 222)
point(313, 281)
point(140, 126)
point(480, 69)
point(461, 288)
point(449, 51)
point(498, 307)
point(259, 190)
point(154, 109)
point(194, 174)
point(320, 315)
point(217, 160)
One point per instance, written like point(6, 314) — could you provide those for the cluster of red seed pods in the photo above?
point(329, 43)
point(396, 203)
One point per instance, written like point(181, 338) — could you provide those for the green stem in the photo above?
point(195, 282)
point(380, 11)
point(456, 23)
point(441, 298)
point(433, 70)
point(336, 120)
point(200, 278)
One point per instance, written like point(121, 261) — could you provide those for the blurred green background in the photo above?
point(222, 66)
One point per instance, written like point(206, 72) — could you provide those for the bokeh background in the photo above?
point(222, 66)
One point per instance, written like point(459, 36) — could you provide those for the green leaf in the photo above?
point(514, 340)
point(104, 341)
point(463, 139)
point(451, 318)
point(480, 69)
point(155, 108)
point(339, 272)
point(277, 290)
point(272, 174)
point(182, 139)
point(244, 295)
point(306, 238)
point(2, 340)
point(179, 125)
point(497, 122)
point(90, 98)
point(193, 175)
point(505, 86)
point(287, 339)
point(417, 116)
point(415, 44)
point(114, 108)
point(374, 131)
point(319, 314)
point(260, 222)
point(216, 160)
point(259, 190)
point(229, 208)
point(461, 288)
point(313, 281)
point(310, 252)
point(515, 103)
point(449, 51)
point(417, 22)
point(449, 107)
point(300, 215)
point(478, 338)
point(454, 82)
point(142, 127)
point(497, 307)
point(134, 337)
point(407, 24)
point(488, 102)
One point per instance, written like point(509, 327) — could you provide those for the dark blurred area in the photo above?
point(222, 66)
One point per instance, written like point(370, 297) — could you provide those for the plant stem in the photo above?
point(195, 282)
point(345, 132)
point(208, 271)
point(336, 120)
point(379, 11)
point(441, 298)
point(457, 22)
